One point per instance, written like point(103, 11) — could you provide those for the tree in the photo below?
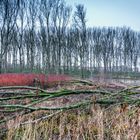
point(80, 29)
point(8, 15)
point(60, 20)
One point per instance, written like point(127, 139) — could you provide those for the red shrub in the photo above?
point(14, 79)
point(54, 79)
point(57, 78)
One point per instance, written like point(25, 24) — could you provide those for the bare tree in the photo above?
point(80, 27)
point(60, 19)
point(8, 17)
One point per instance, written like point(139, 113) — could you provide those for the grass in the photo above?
point(92, 123)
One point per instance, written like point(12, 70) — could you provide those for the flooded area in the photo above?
point(133, 82)
point(120, 81)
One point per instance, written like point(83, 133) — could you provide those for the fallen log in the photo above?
point(106, 99)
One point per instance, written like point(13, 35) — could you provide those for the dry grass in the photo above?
point(92, 123)
point(95, 122)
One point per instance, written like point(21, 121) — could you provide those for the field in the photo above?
point(71, 110)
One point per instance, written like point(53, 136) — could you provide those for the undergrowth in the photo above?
point(93, 123)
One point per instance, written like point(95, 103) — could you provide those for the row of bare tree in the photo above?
point(48, 36)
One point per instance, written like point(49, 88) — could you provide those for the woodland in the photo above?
point(49, 36)
point(63, 80)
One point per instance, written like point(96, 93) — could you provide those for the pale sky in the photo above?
point(111, 12)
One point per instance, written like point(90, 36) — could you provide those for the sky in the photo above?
point(112, 13)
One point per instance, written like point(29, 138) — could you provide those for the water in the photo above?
point(120, 81)
point(131, 82)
